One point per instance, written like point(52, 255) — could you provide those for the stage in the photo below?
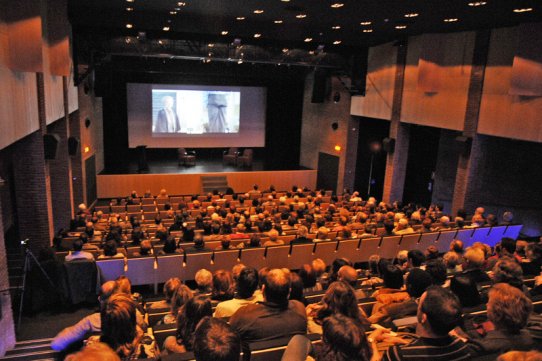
point(179, 179)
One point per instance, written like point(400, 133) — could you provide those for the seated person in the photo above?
point(170, 247)
point(169, 290)
point(273, 239)
point(215, 340)
point(78, 253)
point(145, 249)
point(246, 285)
point(276, 317)
point(199, 245)
point(204, 282)
point(438, 313)
point(181, 295)
point(188, 318)
point(110, 251)
point(223, 286)
point(392, 292)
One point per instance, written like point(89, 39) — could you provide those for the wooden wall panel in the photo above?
point(446, 107)
point(502, 114)
point(57, 39)
point(380, 84)
point(73, 97)
point(54, 96)
point(110, 186)
point(527, 67)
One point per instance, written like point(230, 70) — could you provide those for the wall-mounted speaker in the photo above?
point(50, 145)
point(73, 145)
point(464, 143)
point(335, 126)
point(388, 144)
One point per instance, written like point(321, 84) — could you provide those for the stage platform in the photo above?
point(179, 179)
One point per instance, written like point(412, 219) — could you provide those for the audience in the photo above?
point(78, 253)
point(215, 340)
point(246, 285)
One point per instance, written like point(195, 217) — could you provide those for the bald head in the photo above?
point(107, 289)
point(277, 286)
point(348, 275)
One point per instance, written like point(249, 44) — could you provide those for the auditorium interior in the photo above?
point(426, 106)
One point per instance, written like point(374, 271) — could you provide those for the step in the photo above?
point(32, 356)
point(29, 348)
point(35, 341)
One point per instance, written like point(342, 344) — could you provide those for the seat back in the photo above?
point(444, 239)
point(513, 231)
point(480, 235)
point(495, 235)
point(225, 259)
point(409, 241)
point(141, 271)
point(194, 262)
point(110, 269)
point(300, 254)
point(169, 267)
point(368, 247)
point(277, 256)
point(426, 240)
point(464, 235)
point(326, 251)
point(253, 257)
point(347, 248)
point(389, 247)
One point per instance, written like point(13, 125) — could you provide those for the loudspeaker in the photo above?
point(388, 144)
point(50, 145)
point(465, 144)
point(319, 87)
point(73, 145)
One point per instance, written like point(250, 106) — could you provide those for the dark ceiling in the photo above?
point(385, 20)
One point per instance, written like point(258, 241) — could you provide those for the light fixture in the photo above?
point(129, 26)
point(129, 9)
point(367, 30)
point(130, 1)
point(278, 21)
point(173, 12)
point(337, 5)
point(301, 16)
point(337, 42)
point(240, 18)
point(338, 148)
point(477, 3)
point(365, 23)
point(451, 20)
point(258, 11)
point(411, 15)
point(181, 3)
point(240, 61)
point(211, 45)
point(160, 42)
point(523, 10)
point(336, 27)
point(87, 149)
point(400, 27)
point(165, 28)
point(224, 32)
point(257, 35)
point(285, 1)
point(285, 50)
point(308, 40)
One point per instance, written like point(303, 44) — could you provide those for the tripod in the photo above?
point(29, 257)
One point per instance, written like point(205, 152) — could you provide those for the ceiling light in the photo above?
point(523, 10)
point(285, 50)
point(365, 23)
point(224, 32)
point(301, 16)
point(177, 9)
point(240, 61)
point(451, 20)
point(130, 1)
point(337, 5)
point(368, 30)
point(308, 40)
point(129, 26)
point(129, 9)
point(411, 15)
point(181, 3)
point(478, 3)
point(211, 45)
point(258, 11)
point(240, 18)
point(173, 12)
point(337, 42)
point(257, 35)
point(165, 28)
point(400, 27)
point(336, 27)
point(278, 21)
point(285, 1)
point(160, 42)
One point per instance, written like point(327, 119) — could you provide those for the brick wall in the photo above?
point(7, 330)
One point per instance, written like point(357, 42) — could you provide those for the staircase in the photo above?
point(210, 183)
point(31, 350)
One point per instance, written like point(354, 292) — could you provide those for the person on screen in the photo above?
point(216, 109)
point(167, 120)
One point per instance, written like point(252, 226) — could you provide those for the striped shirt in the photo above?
point(433, 349)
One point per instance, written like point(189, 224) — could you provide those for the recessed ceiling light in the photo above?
point(211, 45)
point(336, 27)
point(177, 9)
point(367, 30)
point(523, 10)
point(285, 50)
point(240, 61)
point(278, 21)
point(451, 20)
point(129, 26)
point(181, 3)
point(240, 18)
point(308, 40)
point(301, 16)
point(285, 1)
point(160, 42)
point(130, 1)
point(129, 9)
point(224, 32)
point(365, 23)
point(337, 5)
point(165, 28)
point(337, 42)
point(400, 27)
point(411, 15)
point(478, 3)
point(173, 12)
point(257, 35)
point(258, 11)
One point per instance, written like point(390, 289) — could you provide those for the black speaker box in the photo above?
point(73, 145)
point(50, 145)
point(319, 88)
point(388, 144)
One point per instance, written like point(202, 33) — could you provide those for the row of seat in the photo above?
point(157, 270)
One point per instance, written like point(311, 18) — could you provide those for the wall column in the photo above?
point(7, 327)
point(396, 162)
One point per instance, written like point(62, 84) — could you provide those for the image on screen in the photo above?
point(195, 111)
